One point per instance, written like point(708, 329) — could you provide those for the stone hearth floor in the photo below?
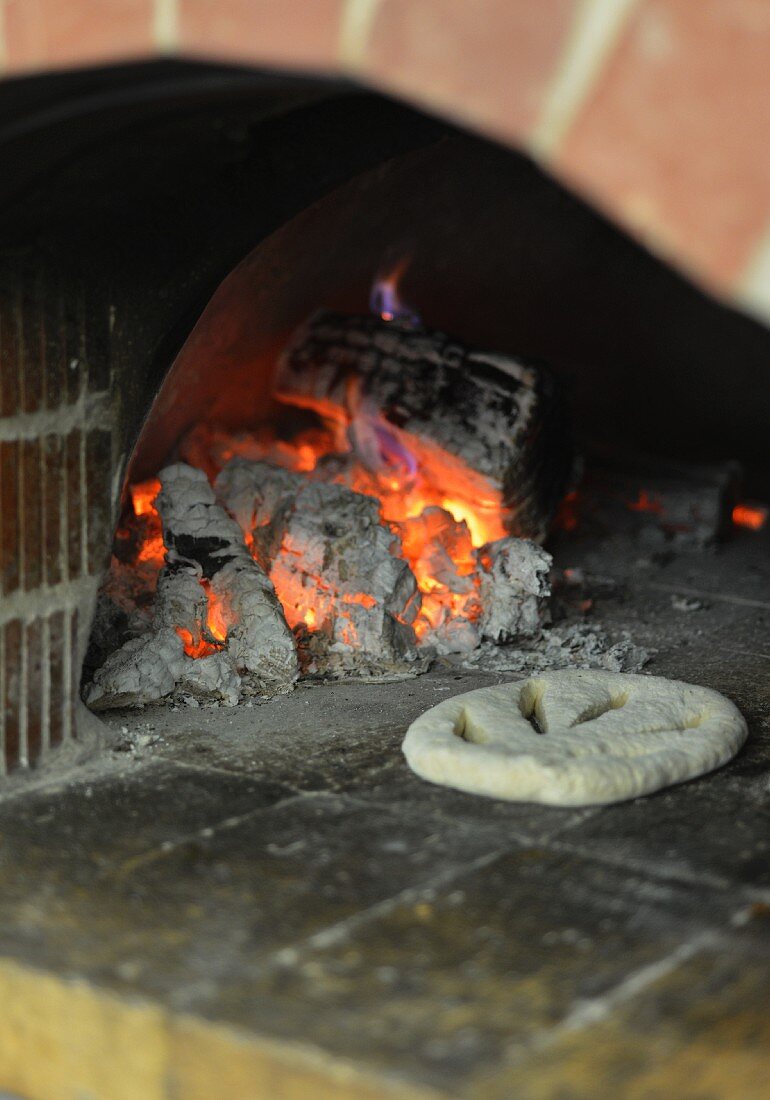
point(266, 902)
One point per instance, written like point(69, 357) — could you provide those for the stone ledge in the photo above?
point(125, 1049)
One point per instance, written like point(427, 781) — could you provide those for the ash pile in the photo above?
point(411, 531)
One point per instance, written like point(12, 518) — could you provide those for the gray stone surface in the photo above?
point(278, 869)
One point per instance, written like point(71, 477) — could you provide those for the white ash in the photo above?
point(687, 603)
point(190, 514)
point(252, 491)
point(154, 667)
point(308, 531)
point(514, 589)
point(180, 599)
point(143, 670)
point(578, 645)
point(210, 679)
point(350, 595)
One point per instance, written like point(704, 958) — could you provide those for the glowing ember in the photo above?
point(749, 515)
point(143, 496)
point(646, 502)
point(441, 509)
point(214, 635)
point(201, 648)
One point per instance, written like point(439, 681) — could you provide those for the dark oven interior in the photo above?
point(140, 306)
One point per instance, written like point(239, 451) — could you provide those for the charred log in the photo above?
point(501, 418)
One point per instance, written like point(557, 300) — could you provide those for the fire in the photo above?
point(214, 635)
point(143, 496)
point(217, 615)
point(151, 550)
point(749, 515)
point(440, 508)
point(193, 648)
point(482, 518)
point(385, 299)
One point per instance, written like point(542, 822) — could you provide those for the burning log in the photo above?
point(218, 631)
point(197, 530)
point(495, 424)
point(337, 569)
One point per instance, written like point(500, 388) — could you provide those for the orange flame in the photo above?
point(218, 621)
point(217, 614)
point(412, 475)
point(143, 496)
point(201, 648)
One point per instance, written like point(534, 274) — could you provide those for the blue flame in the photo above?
point(385, 300)
point(395, 456)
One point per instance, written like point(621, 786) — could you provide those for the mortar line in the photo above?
point(597, 29)
point(590, 1011)
point(39, 602)
point(334, 933)
point(720, 597)
point(241, 773)
point(656, 874)
point(356, 23)
point(88, 408)
point(206, 832)
point(165, 25)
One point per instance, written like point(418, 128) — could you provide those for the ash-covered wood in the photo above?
point(154, 667)
point(329, 551)
point(197, 529)
point(501, 417)
point(256, 657)
point(514, 589)
point(344, 587)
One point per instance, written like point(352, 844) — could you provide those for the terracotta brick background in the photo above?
point(657, 109)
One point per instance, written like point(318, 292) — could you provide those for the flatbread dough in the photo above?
point(575, 738)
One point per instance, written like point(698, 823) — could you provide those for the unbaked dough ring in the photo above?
point(575, 738)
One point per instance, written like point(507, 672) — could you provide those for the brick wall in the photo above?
point(55, 508)
point(654, 108)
